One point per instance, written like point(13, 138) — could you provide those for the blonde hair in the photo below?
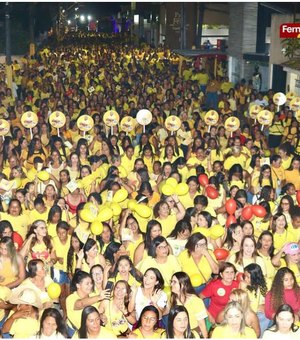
point(241, 296)
point(229, 306)
point(12, 254)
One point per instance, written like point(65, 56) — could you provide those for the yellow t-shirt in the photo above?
point(231, 160)
point(224, 332)
point(202, 269)
point(19, 223)
point(24, 328)
point(197, 311)
point(187, 201)
point(104, 334)
point(61, 250)
point(166, 269)
point(281, 239)
point(156, 334)
point(167, 224)
point(35, 215)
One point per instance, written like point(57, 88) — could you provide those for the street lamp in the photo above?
point(82, 18)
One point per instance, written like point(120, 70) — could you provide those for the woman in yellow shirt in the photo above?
point(280, 232)
point(179, 325)
point(147, 326)
point(234, 325)
point(198, 262)
point(183, 294)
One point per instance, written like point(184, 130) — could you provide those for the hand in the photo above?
point(80, 255)
point(105, 294)
point(60, 260)
point(156, 296)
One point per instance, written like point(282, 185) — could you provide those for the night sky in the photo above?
point(45, 12)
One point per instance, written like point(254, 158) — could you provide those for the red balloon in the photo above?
point(298, 197)
point(203, 179)
point(221, 254)
point(230, 206)
point(259, 211)
point(211, 192)
point(230, 219)
point(239, 277)
point(247, 212)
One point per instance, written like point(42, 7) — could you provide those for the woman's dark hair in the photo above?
point(154, 244)
point(259, 244)
point(15, 200)
point(55, 314)
point(236, 168)
point(229, 241)
point(208, 217)
point(284, 308)
point(70, 256)
point(291, 203)
point(111, 249)
point(148, 240)
point(260, 178)
point(63, 225)
point(89, 244)
point(53, 210)
point(161, 282)
point(149, 308)
point(132, 271)
point(82, 331)
point(265, 193)
point(223, 266)
point(193, 240)
point(257, 279)
point(32, 267)
point(3, 225)
point(145, 186)
point(185, 287)
point(77, 278)
point(180, 227)
point(188, 334)
point(99, 237)
point(96, 196)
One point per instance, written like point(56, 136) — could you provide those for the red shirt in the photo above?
point(219, 295)
point(290, 297)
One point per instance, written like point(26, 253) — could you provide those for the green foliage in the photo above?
point(291, 47)
point(19, 38)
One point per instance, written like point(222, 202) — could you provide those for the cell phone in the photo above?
point(109, 285)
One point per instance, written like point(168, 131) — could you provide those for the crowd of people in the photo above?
point(149, 233)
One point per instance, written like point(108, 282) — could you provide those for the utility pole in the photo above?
point(8, 65)
point(31, 29)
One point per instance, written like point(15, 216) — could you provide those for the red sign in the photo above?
point(290, 30)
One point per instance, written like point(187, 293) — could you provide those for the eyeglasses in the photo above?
point(162, 247)
point(285, 203)
point(199, 245)
point(149, 319)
